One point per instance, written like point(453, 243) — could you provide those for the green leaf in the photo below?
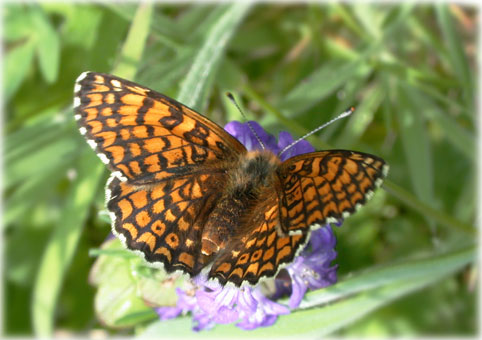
point(157, 288)
point(321, 83)
point(456, 52)
point(370, 19)
point(17, 65)
point(37, 131)
point(61, 247)
point(31, 190)
point(416, 144)
point(426, 209)
point(432, 265)
point(170, 71)
point(47, 45)
point(80, 23)
point(17, 23)
point(126, 287)
point(458, 136)
point(361, 119)
point(58, 152)
point(117, 299)
point(194, 87)
point(328, 78)
point(133, 47)
point(163, 28)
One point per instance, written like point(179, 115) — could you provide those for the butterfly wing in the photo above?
point(258, 252)
point(326, 186)
point(144, 136)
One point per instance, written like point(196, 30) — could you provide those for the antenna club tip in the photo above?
point(352, 109)
point(230, 95)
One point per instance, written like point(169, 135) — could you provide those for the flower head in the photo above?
point(251, 307)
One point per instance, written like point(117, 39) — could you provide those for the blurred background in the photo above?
point(410, 71)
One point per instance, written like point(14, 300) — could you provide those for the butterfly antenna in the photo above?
point(343, 115)
point(231, 97)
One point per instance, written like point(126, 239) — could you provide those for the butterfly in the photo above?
point(187, 196)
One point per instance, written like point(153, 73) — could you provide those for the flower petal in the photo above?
point(298, 291)
point(301, 147)
point(166, 313)
point(246, 300)
point(226, 315)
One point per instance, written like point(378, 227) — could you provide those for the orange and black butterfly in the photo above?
point(187, 195)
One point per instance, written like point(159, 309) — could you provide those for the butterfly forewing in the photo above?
point(144, 136)
point(325, 187)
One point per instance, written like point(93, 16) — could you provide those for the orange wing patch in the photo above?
point(327, 186)
point(143, 135)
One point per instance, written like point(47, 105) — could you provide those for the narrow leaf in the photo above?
point(415, 144)
point(209, 56)
point(47, 45)
point(17, 65)
point(61, 247)
point(321, 83)
point(133, 47)
point(456, 53)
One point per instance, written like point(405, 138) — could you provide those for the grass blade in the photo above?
point(17, 64)
point(456, 53)
point(134, 45)
point(416, 145)
point(61, 247)
point(47, 45)
point(321, 83)
point(207, 60)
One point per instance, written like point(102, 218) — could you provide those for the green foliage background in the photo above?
point(409, 70)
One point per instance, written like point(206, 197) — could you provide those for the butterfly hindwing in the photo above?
point(164, 221)
point(144, 136)
point(325, 187)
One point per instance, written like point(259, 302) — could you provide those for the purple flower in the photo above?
point(251, 307)
point(212, 304)
point(312, 268)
